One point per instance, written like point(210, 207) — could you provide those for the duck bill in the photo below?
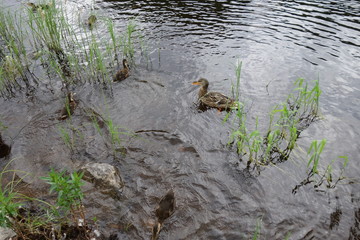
point(156, 231)
point(196, 83)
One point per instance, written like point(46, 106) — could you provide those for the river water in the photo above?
point(185, 149)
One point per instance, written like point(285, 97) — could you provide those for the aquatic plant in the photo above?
point(315, 150)
point(315, 175)
point(286, 121)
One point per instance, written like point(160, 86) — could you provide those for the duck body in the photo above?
point(123, 73)
point(166, 207)
point(69, 108)
point(91, 20)
point(36, 7)
point(4, 148)
point(213, 99)
point(164, 210)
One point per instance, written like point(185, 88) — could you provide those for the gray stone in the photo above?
point(6, 233)
point(103, 175)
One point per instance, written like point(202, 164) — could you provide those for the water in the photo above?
point(185, 149)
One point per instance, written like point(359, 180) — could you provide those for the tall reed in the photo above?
point(74, 56)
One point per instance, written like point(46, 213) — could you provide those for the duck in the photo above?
point(123, 73)
point(69, 108)
point(164, 210)
point(36, 7)
point(4, 148)
point(213, 99)
point(91, 20)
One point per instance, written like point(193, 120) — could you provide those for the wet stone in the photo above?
point(6, 233)
point(105, 176)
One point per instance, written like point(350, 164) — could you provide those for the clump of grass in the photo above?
point(116, 132)
point(66, 137)
point(44, 220)
point(9, 206)
point(71, 135)
point(68, 189)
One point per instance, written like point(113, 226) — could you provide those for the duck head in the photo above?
point(204, 86)
point(71, 97)
point(126, 64)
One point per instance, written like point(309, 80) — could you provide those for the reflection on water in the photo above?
point(181, 148)
point(304, 23)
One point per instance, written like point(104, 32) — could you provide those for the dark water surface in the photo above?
point(182, 148)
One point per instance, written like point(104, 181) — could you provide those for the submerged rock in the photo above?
point(6, 233)
point(103, 175)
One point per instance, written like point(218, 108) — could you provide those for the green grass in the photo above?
point(114, 132)
point(68, 189)
point(9, 198)
point(67, 138)
point(315, 151)
point(127, 42)
point(257, 232)
point(9, 206)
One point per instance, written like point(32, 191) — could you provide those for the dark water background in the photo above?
point(277, 42)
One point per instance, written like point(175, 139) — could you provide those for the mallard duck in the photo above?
point(123, 73)
point(91, 20)
point(69, 108)
point(36, 7)
point(213, 99)
point(164, 210)
point(4, 148)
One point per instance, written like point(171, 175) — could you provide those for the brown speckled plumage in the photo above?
point(164, 210)
point(123, 73)
point(213, 99)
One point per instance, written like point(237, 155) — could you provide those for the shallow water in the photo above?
point(183, 148)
